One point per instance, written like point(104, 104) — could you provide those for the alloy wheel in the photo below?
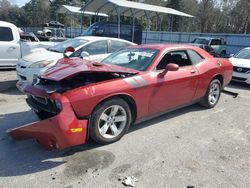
point(112, 121)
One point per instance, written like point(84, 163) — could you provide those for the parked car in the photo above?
point(207, 48)
point(28, 37)
point(110, 29)
point(12, 48)
point(97, 48)
point(218, 44)
point(54, 24)
point(102, 100)
point(241, 66)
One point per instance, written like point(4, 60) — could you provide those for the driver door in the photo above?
point(10, 47)
point(176, 88)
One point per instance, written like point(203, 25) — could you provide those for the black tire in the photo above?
point(223, 54)
point(94, 129)
point(205, 101)
point(43, 114)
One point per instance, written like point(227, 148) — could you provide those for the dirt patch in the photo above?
point(79, 163)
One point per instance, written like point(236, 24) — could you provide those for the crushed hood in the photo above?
point(69, 67)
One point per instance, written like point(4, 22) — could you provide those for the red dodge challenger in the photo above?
point(78, 99)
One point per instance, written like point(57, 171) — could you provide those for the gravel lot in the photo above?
point(192, 146)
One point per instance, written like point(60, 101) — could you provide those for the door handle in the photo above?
point(192, 71)
point(12, 47)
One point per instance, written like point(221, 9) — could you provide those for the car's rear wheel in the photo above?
point(212, 95)
point(110, 121)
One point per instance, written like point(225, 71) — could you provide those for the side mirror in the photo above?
point(85, 55)
point(169, 67)
point(67, 50)
point(172, 67)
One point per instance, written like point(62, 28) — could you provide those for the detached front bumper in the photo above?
point(60, 131)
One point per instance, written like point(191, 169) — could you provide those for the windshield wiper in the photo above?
point(52, 50)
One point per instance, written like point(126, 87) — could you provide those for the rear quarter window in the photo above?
point(6, 34)
point(195, 57)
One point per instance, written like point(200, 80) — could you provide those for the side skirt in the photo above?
point(165, 112)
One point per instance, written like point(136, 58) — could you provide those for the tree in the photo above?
point(240, 16)
point(174, 20)
point(37, 12)
point(189, 24)
point(56, 4)
point(12, 14)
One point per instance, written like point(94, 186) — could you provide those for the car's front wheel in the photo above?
point(212, 95)
point(110, 121)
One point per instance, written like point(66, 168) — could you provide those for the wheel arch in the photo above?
point(220, 78)
point(127, 98)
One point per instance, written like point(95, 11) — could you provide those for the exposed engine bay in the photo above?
point(78, 80)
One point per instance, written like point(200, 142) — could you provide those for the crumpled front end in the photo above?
point(60, 131)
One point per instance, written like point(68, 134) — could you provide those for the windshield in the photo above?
point(134, 58)
point(60, 47)
point(90, 31)
point(243, 54)
point(201, 41)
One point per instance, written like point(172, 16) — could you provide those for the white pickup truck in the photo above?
point(12, 48)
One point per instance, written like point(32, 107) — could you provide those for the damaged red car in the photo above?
point(78, 99)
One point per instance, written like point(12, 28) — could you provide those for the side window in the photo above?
point(6, 34)
point(95, 48)
point(195, 57)
point(117, 45)
point(178, 57)
point(216, 42)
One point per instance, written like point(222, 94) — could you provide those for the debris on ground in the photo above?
point(95, 172)
point(190, 186)
point(235, 95)
point(129, 181)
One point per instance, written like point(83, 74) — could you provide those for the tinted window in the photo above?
point(216, 42)
point(95, 48)
point(195, 57)
point(177, 57)
point(91, 30)
point(6, 34)
point(117, 45)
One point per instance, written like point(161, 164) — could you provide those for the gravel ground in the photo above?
point(189, 147)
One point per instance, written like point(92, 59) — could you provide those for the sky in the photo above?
point(19, 2)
